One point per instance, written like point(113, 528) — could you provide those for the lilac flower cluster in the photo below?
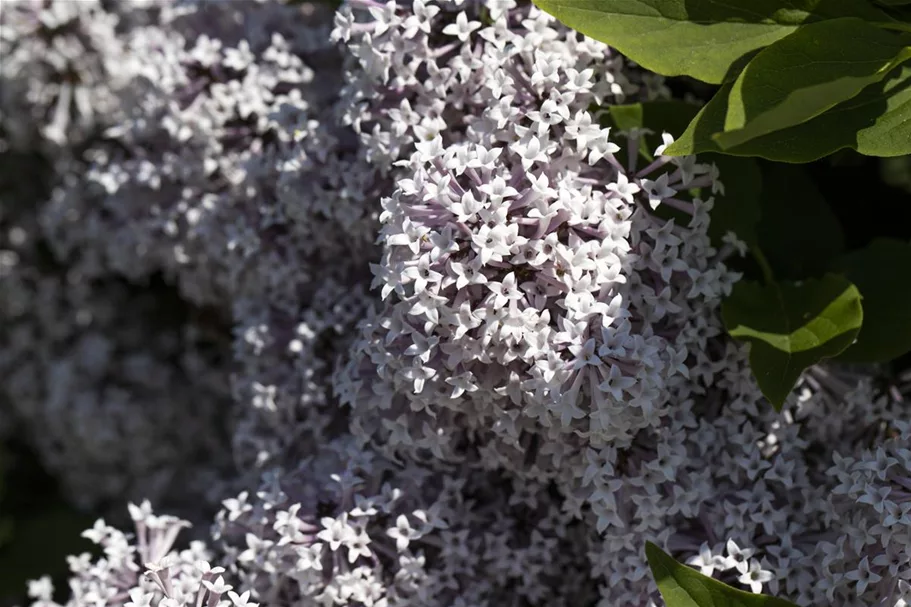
point(871, 504)
point(536, 384)
point(751, 496)
point(419, 68)
point(536, 300)
point(200, 180)
point(223, 170)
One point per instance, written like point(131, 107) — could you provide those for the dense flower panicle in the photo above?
point(232, 176)
point(757, 495)
point(508, 294)
point(215, 193)
point(532, 292)
point(871, 506)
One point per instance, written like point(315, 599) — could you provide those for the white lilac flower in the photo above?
point(539, 297)
point(755, 577)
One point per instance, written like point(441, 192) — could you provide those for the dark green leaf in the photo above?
point(626, 117)
point(698, 39)
point(893, 2)
point(683, 586)
point(792, 326)
point(806, 73)
point(882, 273)
point(900, 13)
point(875, 123)
point(799, 233)
point(739, 209)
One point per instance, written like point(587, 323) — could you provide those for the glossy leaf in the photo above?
point(882, 273)
point(877, 122)
point(792, 326)
point(683, 586)
point(806, 73)
point(699, 39)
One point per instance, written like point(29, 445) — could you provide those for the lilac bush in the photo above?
point(377, 299)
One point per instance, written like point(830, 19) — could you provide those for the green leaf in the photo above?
point(792, 326)
point(699, 39)
point(683, 586)
point(806, 73)
point(882, 273)
point(877, 122)
point(799, 233)
point(893, 2)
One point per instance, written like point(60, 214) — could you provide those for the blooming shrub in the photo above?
point(378, 299)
